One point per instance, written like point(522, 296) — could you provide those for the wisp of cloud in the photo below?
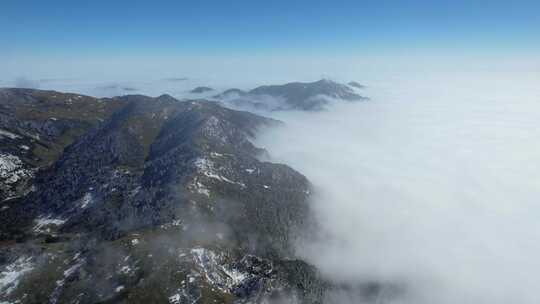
point(434, 184)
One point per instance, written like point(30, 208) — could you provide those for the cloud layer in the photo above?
point(433, 185)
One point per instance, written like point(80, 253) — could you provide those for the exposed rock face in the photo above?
point(145, 200)
point(297, 95)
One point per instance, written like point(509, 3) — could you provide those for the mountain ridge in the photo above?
point(305, 96)
point(157, 201)
point(153, 168)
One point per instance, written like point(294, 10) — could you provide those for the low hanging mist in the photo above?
point(433, 185)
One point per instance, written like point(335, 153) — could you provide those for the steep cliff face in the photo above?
point(151, 200)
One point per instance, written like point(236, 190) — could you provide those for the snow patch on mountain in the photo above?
point(206, 167)
point(86, 200)
point(12, 274)
point(12, 169)
point(215, 271)
point(46, 224)
point(4, 133)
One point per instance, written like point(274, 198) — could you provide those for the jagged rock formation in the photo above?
point(297, 95)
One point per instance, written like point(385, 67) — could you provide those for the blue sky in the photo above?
point(257, 26)
point(113, 29)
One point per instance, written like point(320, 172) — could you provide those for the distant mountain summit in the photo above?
point(200, 90)
point(307, 96)
point(231, 93)
point(357, 85)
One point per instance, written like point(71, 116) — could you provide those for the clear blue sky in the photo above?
point(213, 27)
point(247, 39)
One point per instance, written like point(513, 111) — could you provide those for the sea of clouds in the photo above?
point(433, 185)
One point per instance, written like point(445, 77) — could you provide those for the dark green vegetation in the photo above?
point(36, 126)
point(143, 200)
point(136, 199)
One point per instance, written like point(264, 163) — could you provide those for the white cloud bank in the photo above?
point(434, 184)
